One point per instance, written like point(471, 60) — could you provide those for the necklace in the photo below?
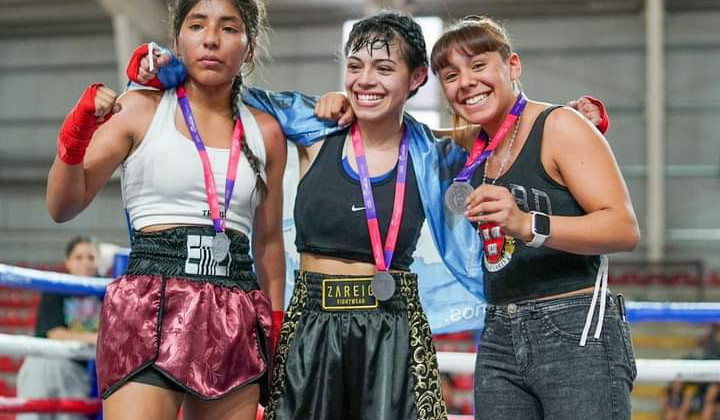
point(507, 156)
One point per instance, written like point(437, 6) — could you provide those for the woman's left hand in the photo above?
point(495, 204)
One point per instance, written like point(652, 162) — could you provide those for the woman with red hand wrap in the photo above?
point(96, 105)
point(191, 322)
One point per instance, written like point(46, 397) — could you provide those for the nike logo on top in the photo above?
point(353, 208)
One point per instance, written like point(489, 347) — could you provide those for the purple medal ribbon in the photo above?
point(221, 244)
point(383, 283)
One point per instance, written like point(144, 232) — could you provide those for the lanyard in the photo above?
point(383, 256)
point(235, 150)
point(479, 152)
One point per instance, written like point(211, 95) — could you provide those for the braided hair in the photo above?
point(381, 30)
point(255, 164)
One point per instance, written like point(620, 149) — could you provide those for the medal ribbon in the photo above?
point(383, 256)
point(235, 150)
point(479, 152)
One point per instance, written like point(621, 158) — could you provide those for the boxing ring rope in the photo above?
point(21, 345)
point(649, 370)
point(48, 281)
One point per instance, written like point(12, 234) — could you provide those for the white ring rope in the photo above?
point(22, 345)
point(652, 370)
point(649, 370)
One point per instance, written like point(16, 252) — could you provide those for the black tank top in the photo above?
point(330, 213)
point(515, 272)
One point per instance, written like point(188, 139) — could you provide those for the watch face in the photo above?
point(542, 224)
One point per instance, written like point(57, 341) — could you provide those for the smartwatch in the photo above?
point(540, 229)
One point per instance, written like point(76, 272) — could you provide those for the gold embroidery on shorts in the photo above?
point(429, 401)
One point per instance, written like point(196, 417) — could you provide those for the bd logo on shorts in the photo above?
point(497, 247)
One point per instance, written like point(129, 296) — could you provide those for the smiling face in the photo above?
point(378, 80)
point(479, 87)
point(213, 41)
point(476, 66)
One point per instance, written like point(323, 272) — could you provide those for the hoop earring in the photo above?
point(449, 110)
point(515, 86)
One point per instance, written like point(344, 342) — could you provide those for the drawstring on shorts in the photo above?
point(600, 290)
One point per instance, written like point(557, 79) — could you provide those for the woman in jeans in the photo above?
point(549, 202)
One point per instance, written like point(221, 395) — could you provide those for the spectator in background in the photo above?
point(63, 317)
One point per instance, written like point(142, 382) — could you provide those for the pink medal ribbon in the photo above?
point(383, 283)
point(460, 189)
point(221, 242)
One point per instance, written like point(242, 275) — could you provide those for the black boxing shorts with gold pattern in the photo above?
point(345, 355)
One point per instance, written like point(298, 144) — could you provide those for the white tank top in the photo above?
point(162, 181)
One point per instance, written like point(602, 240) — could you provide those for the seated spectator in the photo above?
point(63, 317)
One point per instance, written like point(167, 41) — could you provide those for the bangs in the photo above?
point(469, 40)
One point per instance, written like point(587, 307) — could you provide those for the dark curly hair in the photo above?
point(381, 30)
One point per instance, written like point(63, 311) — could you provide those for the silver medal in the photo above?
point(383, 284)
point(456, 196)
point(220, 246)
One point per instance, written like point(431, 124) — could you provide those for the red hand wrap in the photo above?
point(604, 123)
point(277, 320)
point(133, 68)
point(78, 128)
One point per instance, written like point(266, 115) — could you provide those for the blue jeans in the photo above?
point(530, 365)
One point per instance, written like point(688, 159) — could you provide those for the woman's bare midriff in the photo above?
point(585, 291)
point(334, 266)
point(160, 228)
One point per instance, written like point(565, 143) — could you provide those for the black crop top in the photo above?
point(515, 272)
point(330, 213)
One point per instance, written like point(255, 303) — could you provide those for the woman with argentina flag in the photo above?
point(355, 328)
